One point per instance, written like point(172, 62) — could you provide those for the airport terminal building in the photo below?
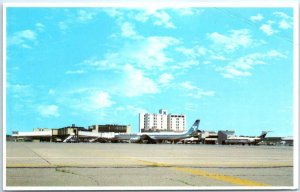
point(110, 128)
point(71, 133)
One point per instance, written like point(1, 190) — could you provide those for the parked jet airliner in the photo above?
point(232, 139)
point(159, 136)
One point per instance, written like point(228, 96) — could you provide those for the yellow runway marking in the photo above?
point(198, 172)
point(225, 178)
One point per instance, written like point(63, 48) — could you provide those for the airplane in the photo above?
point(243, 140)
point(158, 137)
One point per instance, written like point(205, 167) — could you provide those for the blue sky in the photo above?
point(230, 67)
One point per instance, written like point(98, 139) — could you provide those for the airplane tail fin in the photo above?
point(263, 134)
point(194, 127)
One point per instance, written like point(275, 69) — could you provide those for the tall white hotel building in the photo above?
point(162, 122)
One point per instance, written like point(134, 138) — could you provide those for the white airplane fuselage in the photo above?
point(245, 140)
point(171, 136)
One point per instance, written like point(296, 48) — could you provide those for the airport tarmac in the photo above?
point(161, 165)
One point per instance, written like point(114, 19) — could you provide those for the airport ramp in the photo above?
point(32, 134)
point(68, 138)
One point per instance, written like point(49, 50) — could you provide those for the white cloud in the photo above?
point(147, 53)
point(267, 29)
point(91, 100)
point(113, 12)
point(192, 54)
point(101, 100)
point(282, 15)
point(195, 91)
point(257, 17)
point(136, 84)
point(150, 53)
point(62, 25)
point(236, 39)
point(286, 21)
point(128, 30)
point(161, 42)
point(188, 85)
point(200, 93)
point(84, 15)
point(23, 96)
point(19, 89)
point(157, 16)
point(120, 108)
point(165, 79)
point(51, 91)
point(75, 71)
point(185, 11)
point(270, 22)
point(26, 46)
point(81, 16)
point(141, 17)
point(21, 38)
point(186, 64)
point(202, 51)
point(243, 65)
point(187, 51)
point(218, 57)
point(189, 11)
point(231, 72)
point(83, 91)
point(283, 24)
point(40, 27)
point(48, 110)
point(163, 19)
point(274, 53)
point(191, 107)
point(27, 34)
point(109, 61)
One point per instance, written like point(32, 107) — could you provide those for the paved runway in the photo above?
point(108, 164)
